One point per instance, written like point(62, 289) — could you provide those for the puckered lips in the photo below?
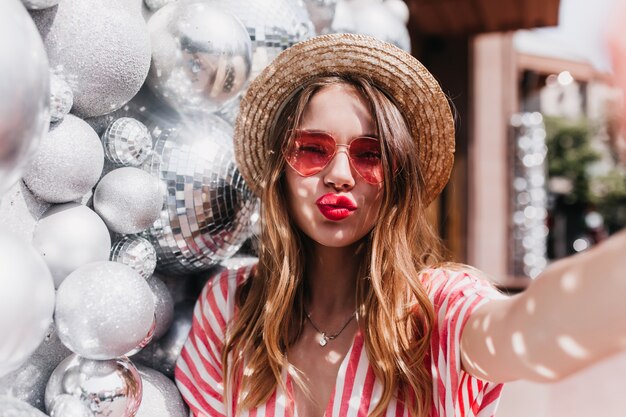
point(336, 207)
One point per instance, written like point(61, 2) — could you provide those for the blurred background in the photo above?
point(538, 174)
point(116, 159)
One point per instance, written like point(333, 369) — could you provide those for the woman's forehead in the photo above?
point(336, 106)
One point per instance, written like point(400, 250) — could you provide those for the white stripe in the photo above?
point(391, 408)
point(196, 359)
point(189, 399)
point(341, 380)
point(281, 403)
point(359, 384)
point(260, 412)
point(218, 405)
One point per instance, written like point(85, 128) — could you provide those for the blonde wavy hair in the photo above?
point(394, 308)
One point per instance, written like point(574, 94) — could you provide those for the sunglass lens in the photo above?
point(366, 157)
point(310, 152)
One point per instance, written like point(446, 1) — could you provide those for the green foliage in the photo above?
point(571, 156)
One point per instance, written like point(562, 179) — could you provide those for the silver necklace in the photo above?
point(326, 337)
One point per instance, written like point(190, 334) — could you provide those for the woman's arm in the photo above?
point(571, 316)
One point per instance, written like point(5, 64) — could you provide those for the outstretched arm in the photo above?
point(571, 316)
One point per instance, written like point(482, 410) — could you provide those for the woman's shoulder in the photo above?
point(220, 290)
point(448, 279)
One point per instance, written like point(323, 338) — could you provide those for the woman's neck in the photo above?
point(331, 276)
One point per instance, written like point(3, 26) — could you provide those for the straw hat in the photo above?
point(413, 89)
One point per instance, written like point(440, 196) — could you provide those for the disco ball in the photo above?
point(200, 56)
point(273, 26)
point(208, 206)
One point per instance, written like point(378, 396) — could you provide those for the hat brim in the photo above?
point(397, 73)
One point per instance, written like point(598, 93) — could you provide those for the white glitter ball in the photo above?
point(68, 163)
point(61, 98)
point(11, 407)
point(39, 4)
point(161, 398)
point(128, 199)
point(102, 49)
point(103, 310)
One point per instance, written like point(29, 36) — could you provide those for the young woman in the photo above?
point(351, 310)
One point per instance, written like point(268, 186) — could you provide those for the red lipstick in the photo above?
point(335, 207)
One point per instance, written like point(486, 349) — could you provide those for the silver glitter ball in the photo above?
point(28, 382)
point(163, 306)
point(273, 26)
point(160, 398)
point(20, 210)
point(230, 111)
point(136, 252)
point(66, 405)
point(201, 56)
point(322, 13)
point(162, 354)
point(372, 18)
point(208, 204)
point(127, 142)
point(101, 48)
point(68, 163)
point(12, 407)
point(110, 388)
point(39, 4)
point(128, 199)
point(144, 107)
point(61, 98)
point(399, 9)
point(26, 301)
point(104, 310)
point(24, 110)
point(155, 5)
point(69, 236)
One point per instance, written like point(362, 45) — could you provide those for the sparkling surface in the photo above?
point(28, 382)
point(201, 56)
point(69, 236)
point(157, 4)
point(20, 210)
point(529, 201)
point(116, 309)
point(373, 18)
point(39, 4)
point(127, 142)
point(66, 405)
point(61, 98)
point(163, 305)
point(208, 205)
point(108, 388)
point(11, 407)
point(273, 26)
point(321, 13)
point(128, 199)
point(136, 252)
point(102, 50)
point(161, 354)
point(68, 162)
point(24, 111)
point(24, 281)
point(160, 396)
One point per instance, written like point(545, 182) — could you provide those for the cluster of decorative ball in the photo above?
point(71, 248)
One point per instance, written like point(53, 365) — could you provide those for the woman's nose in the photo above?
point(339, 171)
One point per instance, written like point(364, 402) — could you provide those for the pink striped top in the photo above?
point(454, 294)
